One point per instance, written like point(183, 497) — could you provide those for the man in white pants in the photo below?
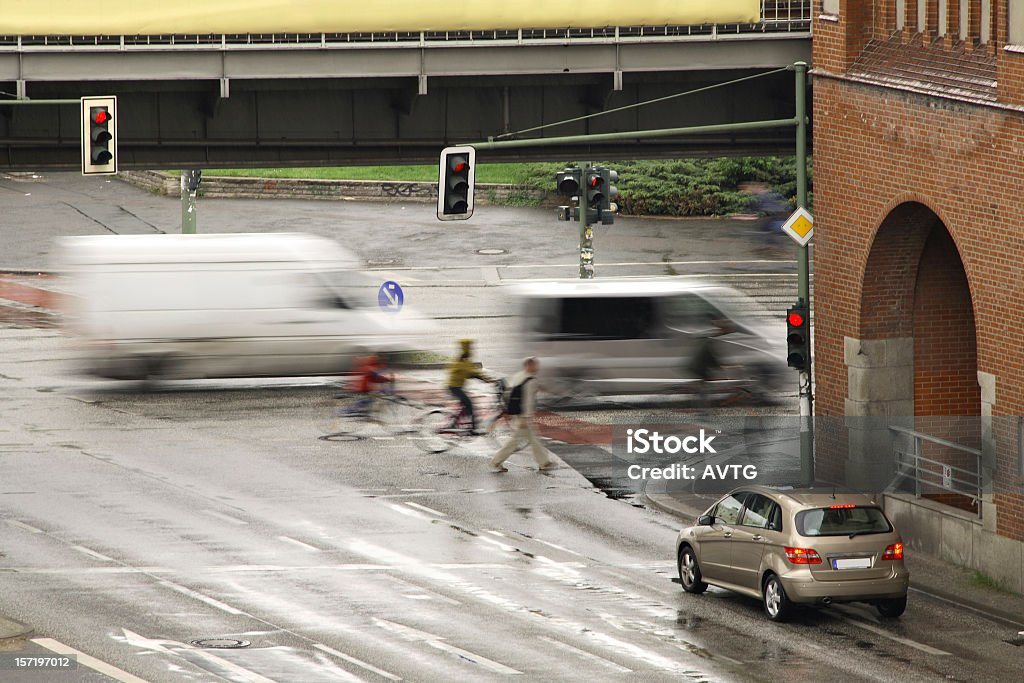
point(522, 421)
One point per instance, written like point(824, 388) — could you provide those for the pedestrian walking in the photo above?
point(521, 405)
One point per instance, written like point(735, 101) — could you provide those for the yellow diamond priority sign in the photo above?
point(800, 226)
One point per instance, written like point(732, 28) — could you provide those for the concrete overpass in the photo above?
point(315, 99)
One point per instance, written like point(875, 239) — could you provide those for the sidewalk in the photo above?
point(938, 578)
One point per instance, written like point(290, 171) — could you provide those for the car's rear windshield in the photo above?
point(842, 520)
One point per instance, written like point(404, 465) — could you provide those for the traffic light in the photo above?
point(568, 182)
point(455, 183)
point(798, 336)
point(595, 194)
point(99, 135)
point(608, 207)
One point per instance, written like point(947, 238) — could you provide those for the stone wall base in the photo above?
point(958, 537)
point(341, 190)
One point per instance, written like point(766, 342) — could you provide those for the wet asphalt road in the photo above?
point(136, 523)
point(143, 527)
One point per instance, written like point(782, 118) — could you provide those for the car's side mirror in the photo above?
point(705, 520)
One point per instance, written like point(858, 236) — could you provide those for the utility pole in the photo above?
point(805, 389)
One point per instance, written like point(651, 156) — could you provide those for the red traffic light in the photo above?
point(795, 319)
point(101, 117)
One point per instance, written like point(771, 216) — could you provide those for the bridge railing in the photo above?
point(777, 17)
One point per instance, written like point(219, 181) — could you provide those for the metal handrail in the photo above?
point(961, 480)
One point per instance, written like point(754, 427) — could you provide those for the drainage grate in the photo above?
point(220, 643)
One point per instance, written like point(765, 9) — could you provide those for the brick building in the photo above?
point(919, 263)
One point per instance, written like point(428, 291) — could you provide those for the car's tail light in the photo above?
point(803, 556)
point(893, 552)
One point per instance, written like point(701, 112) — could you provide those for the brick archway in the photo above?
point(917, 354)
point(916, 303)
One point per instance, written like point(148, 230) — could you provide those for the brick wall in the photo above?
point(894, 164)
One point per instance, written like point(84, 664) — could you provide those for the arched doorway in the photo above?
point(918, 334)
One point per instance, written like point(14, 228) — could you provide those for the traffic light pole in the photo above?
point(586, 232)
point(805, 388)
point(190, 180)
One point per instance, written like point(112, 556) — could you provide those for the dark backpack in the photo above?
point(514, 405)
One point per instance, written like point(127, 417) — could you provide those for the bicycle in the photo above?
point(351, 410)
point(441, 429)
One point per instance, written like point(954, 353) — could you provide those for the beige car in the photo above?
point(796, 546)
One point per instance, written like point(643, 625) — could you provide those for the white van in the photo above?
point(637, 336)
point(224, 305)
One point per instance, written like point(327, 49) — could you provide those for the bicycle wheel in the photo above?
point(339, 421)
point(433, 433)
point(395, 415)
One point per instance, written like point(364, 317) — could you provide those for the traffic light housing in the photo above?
point(594, 190)
point(609, 207)
point(99, 135)
point(798, 336)
point(456, 179)
point(567, 182)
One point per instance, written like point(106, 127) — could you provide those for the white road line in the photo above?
point(488, 664)
point(383, 438)
point(358, 662)
point(504, 546)
point(587, 655)
point(426, 509)
point(409, 513)
point(305, 546)
point(412, 490)
point(885, 634)
point(226, 518)
point(552, 545)
point(91, 662)
point(435, 595)
point(202, 598)
point(495, 533)
point(415, 635)
point(92, 553)
point(26, 527)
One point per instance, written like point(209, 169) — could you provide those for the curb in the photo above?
point(13, 630)
point(683, 513)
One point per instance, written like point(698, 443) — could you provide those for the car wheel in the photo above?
point(776, 605)
point(689, 572)
point(892, 608)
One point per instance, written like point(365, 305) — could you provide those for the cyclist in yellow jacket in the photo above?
point(460, 369)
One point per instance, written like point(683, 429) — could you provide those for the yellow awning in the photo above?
point(158, 17)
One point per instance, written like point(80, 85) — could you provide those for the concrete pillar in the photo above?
point(987, 382)
point(881, 393)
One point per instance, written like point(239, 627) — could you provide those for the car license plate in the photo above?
point(851, 563)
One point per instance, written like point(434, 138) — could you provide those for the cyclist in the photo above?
point(368, 376)
point(460, 369)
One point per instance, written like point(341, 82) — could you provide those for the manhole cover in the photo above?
point(220, 643)
point(491, 252)
point(340, 437)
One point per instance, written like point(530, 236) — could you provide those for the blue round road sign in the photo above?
point(390, 297)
